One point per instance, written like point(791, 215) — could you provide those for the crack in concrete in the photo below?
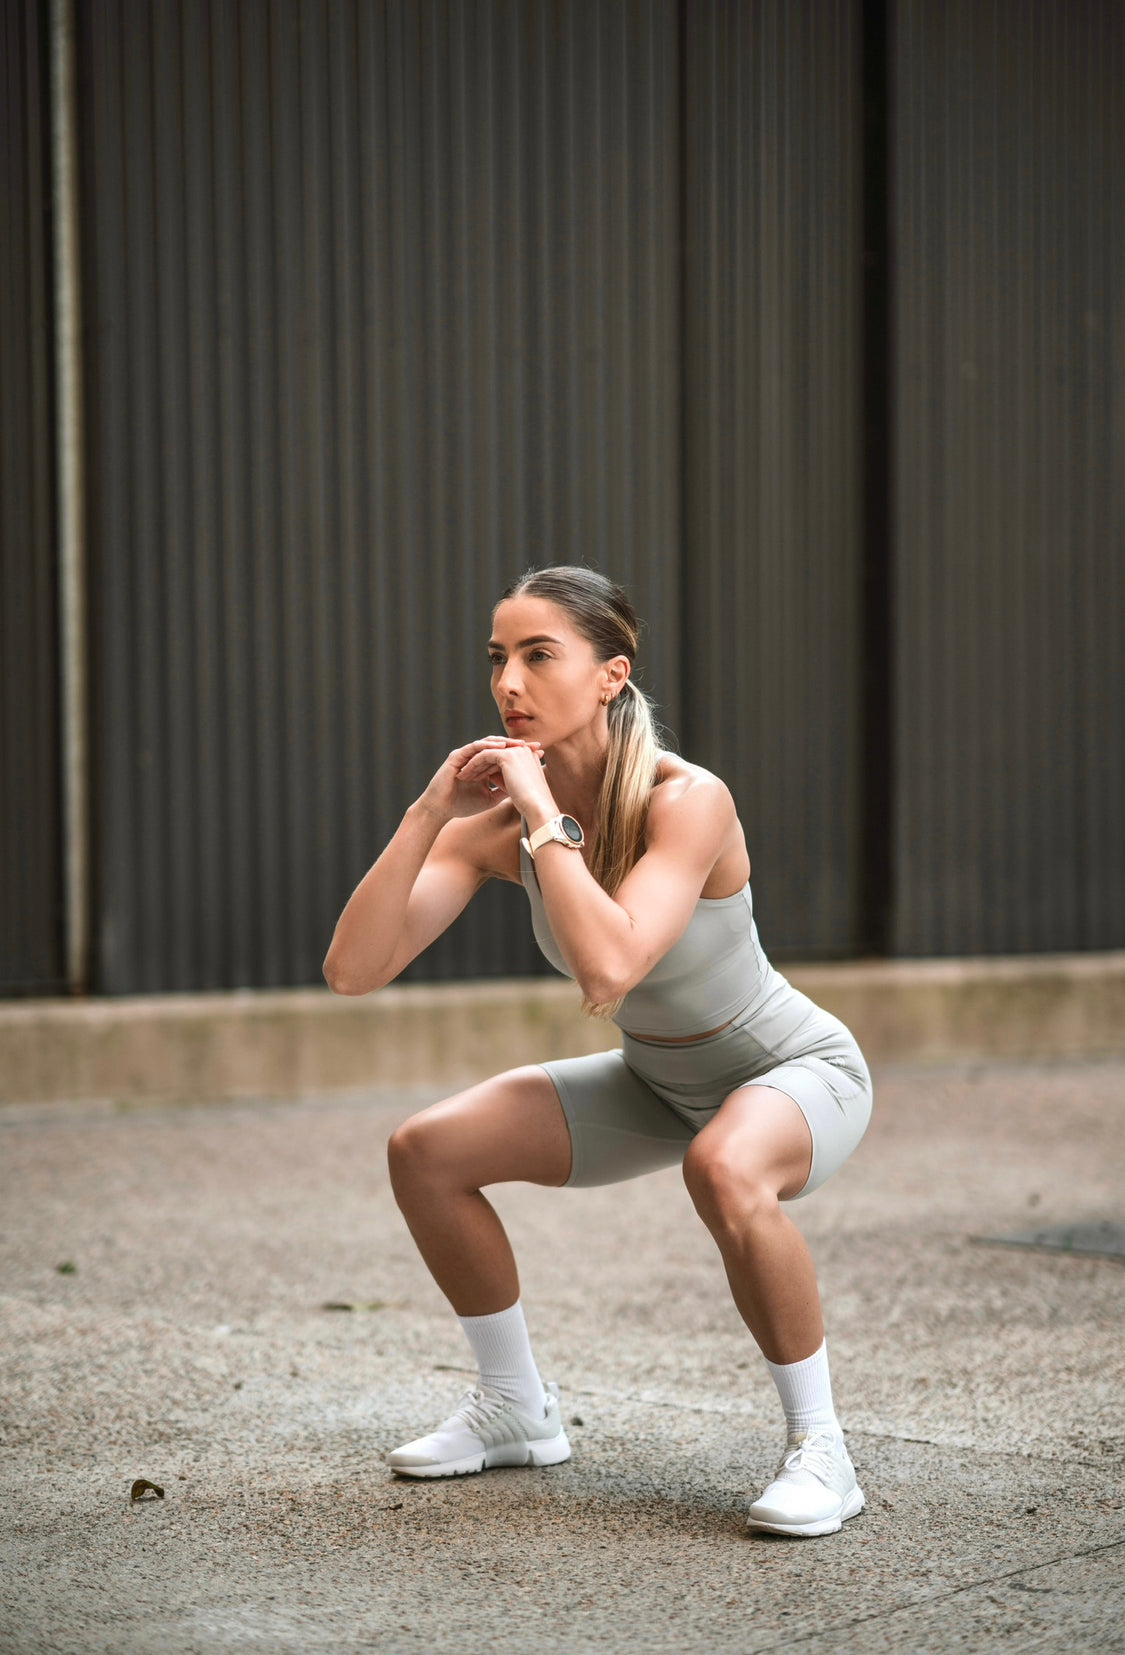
point(941, 1597)
point(961, 1444)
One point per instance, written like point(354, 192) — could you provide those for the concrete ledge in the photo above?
point(1044, 1005)
point(297, 1042)
point(287, 1042)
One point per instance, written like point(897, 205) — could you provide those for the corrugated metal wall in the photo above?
point(30, 862)
point(1009, 485)
point(382, 307)
point(773, 508)
point(385, 301)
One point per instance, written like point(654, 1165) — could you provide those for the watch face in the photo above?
point(571, 828)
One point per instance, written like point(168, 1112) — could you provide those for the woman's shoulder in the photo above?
point(683, 789)
point(692, 812)
point(677, 778)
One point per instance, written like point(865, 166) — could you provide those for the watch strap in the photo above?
point(551, 830)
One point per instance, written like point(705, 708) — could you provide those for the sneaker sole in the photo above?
point(551, 1452)
point(851, 1507)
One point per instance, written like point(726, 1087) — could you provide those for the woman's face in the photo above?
point(546, 679)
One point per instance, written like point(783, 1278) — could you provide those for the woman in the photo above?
point(636, 869)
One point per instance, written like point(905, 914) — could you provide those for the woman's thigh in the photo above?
point(835, 1100)
point(759, 1136)
point(619, 1128)
point(508, 1129)
point(792, 1127)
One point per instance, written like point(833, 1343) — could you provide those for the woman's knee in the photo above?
point(727, 1186)
point(506, 1129)
point(415, 1151)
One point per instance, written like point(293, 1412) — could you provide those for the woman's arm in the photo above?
point(611, 943)
point(443, 851)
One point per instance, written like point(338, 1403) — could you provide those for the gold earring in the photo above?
point(606, 700)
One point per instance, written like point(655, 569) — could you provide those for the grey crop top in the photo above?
point(715, 970)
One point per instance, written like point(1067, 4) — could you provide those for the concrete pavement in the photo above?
point(982, 1388)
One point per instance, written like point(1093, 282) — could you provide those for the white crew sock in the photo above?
point(806, 1393)
point(503, 1352)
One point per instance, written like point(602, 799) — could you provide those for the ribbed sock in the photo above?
point(805, 1390)
point(503, 1352)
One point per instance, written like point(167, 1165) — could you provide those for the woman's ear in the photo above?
point(616, 673)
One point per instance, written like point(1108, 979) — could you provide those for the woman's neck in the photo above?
point(574, 775)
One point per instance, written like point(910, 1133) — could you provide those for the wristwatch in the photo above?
point(564, 829)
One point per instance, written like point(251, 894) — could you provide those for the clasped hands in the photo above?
point(504, 767)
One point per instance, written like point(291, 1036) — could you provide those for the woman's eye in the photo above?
point(539, 655)
point(496, 660)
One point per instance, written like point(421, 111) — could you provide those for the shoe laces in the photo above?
point(477, 1407)
point(817, 1452)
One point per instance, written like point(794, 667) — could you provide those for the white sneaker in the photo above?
point(815, 1490)
point(486, 1430)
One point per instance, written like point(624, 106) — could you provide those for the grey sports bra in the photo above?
point(715, 970)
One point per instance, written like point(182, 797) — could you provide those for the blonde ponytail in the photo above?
point(630, 774)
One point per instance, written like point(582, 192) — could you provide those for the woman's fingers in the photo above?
point(514, 772)
point(461, 756)
point(457, 790)
point(474, 777)
point(483, 760)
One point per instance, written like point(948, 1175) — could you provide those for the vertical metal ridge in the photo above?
point(36, 953)
point(876, 872)
point(771, 201)
point(71, 486)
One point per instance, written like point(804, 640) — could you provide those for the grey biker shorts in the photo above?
point(637, 1109)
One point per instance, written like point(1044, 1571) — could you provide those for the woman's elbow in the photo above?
point(347, 983)
point(603, 987)
point(336, 978)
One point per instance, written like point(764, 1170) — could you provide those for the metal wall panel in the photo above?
point(1010, 511)
point(382, 307)
point(385, 301)
point(30, 828)
point(773, 395)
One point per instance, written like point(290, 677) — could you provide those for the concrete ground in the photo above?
point(165, 1272)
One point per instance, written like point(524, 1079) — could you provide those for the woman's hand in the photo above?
point(475, 777)
point(512, 770)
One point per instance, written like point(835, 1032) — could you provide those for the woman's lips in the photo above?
point(513, 719)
